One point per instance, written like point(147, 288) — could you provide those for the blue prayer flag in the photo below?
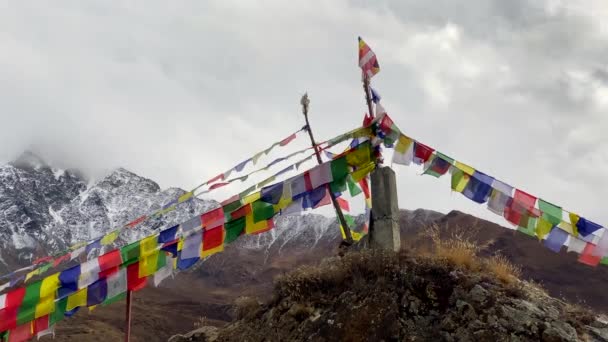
point(556, 239)
point(479, 187)
point(272, 193)
point(97, 292)
point(168, 234)
point(586, 227)
point(241, 165)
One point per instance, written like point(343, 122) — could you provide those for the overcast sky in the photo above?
point(179, 91)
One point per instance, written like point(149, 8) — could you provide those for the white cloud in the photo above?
point(180, 91)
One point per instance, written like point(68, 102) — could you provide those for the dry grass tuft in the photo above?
point(503, 269)
point(246, 307)
point(458, 249)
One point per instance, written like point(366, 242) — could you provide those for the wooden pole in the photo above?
point(368, 96)
point(128, 317)
point(349, 238)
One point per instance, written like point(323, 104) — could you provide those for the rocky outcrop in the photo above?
point(375, 296)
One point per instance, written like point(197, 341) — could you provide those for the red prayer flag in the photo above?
point(343, 203)
point(136, 221)
point(109, 260)
point(287, 140)
point(213, 238)
point(386, 124)
point(41, 324)
point(134, 282)
point(218, 185)
point(61, 259)
point(587, 256)
point(41, 260)
point(307, 181)
point(241, 212)
point(422, 153)
point(365, 187)
point(216, 178)
point(21, 333)
point(213, 218)
point(522, 204)
point(326, 200)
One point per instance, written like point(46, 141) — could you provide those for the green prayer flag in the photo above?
point(161, 261)
point(527, 225)
point(234, 229)
point(604, 261)
point(27, 310)
point(114, 299)
point(130, 253)
point(551, 212)
point(353, 188)
point(338, 185)
point(339, 168)
point(350, 221)
point(262, 211)
point(58, 315)
point(232, 206)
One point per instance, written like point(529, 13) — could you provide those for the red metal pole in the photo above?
point(128, 318)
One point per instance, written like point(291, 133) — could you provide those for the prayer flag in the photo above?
point(167, 234)
point(587, 256)
point(216, 178)
point(192, 246)
point(576, 245)
point(320, 175)
point(543, 227)
point(500, 196)
point(404, 151)
point(460, 179)
point(21, 333)
point(117, 283)
point(601, 249)
point(163, 273)
point(573, 222)
point(109, 238)
point(89, 273)
point(77, 299)
point(361, 156)
point(339, 168)
point(314, 197)
point(550, 212)
point(353, 189)
point(69, 281)
point(9, 309)
point(522, 204)
point(213, 241)
point(367, 60)
point(185, 197)
point(422, 153)
point(556, 239)
point(136, 221)
point(194, 222)
point(61, 259)
point(586, 227)
point(241, 165)
point(301, 184)
point(213, 218)
point(375, 95)
point(295, 208)
point(439, 165)
point(130, 252)
point(272, 193)
point(343, 203)
point(326, 200)
point(234, 229)
point(241, 212)
point(97, 292)
point(479, 187)
point(134, 282)
point(40, 324)
point(261, 211)
point(110, 260)
point(252, 227)
point(287, 140)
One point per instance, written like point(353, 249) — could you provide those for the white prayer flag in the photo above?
point(117, 283)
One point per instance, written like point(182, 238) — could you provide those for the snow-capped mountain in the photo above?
point(44, 209)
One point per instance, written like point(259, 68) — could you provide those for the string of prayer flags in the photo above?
point(530, 215)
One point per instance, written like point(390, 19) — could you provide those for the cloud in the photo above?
point(181, 91)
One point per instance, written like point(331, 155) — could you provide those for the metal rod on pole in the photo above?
point(128, 317)
point(305, 102)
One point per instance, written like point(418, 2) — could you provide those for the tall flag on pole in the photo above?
point(367, 60)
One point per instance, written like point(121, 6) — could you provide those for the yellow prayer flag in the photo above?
point(108, 239)
point(464, 167)
point(78, 245)
point(363, 171)
point(148, 264)
point(356, 235)
point(251, 198)
point(185, 197)
point(31, 274)
point(45, 306)
point(359, 157)
point(252, 227)
point(403, 144)
point(148, 246)
point(180, 244)
point(543, 228)
point(573, 221)
point(77, 299)
point(266, 181)
point(256, 157)
point(49, 286)
point(91, 308)
point(565, 226)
